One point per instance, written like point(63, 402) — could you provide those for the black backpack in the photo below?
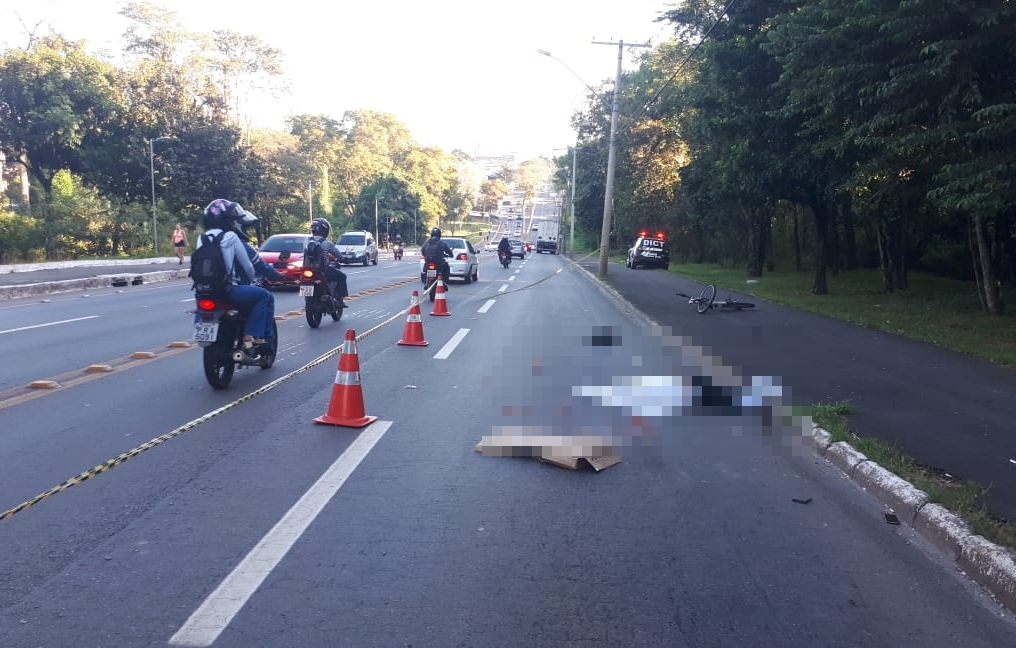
point(208, 269)
point(313, 255)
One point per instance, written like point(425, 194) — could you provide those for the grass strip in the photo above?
point(959, 496)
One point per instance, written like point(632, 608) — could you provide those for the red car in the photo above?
point(277, 245)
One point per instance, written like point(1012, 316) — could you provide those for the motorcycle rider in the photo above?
point(398, 245)
point(261, 269)
point(225, 215)
point(434, 250)
point(504, 247)
point(319, 229)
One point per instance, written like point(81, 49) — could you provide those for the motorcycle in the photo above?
point(219, 331)
point(318, 299)
point(506, 258)
point(397, 252)
point(430, 278)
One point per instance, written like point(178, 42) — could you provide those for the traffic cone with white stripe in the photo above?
point(412, 335)
point(346, 406)
point(440, 303)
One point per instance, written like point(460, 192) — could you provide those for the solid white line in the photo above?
point(25, 328)
point(486, 306)
point(447, 349)
point(216, 612)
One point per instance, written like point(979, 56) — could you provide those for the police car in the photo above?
point(649, 251)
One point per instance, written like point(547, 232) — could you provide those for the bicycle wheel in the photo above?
point(743, 305)
point(705, 298)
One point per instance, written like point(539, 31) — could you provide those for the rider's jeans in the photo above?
point(257, 302)
point(338, 277)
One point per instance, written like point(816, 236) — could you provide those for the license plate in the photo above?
point(306, 291)
point(649, 254)
point(206, 332)
point(431, 274)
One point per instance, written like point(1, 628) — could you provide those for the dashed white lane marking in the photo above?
point(447, 349)
point(35, 326)
point(486, 307)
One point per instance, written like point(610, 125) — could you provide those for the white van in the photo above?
point(357, 247)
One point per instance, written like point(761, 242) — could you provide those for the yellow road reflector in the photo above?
point(142, 354)
point(183, 344)
point(295, 312)
point(98, 368)
point(43, 384)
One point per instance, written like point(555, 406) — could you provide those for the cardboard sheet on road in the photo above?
point(598, 452)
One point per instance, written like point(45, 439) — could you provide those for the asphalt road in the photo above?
point(693, 540)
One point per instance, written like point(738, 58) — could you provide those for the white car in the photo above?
point(463, 264)
point(490, 246)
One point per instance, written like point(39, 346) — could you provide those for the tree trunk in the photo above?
point(885, 260)
point(975, 259)
point(1010, 248)
point(849, 237)
point(834, 242)
point(820, 286)
point(797, 237)
point(900, 268)
point(756, 241)
point(992, 293)
point(770, 261)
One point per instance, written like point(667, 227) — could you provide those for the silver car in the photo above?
point(463, 264)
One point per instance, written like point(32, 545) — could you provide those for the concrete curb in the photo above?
point(100, 281)
point(989, 564)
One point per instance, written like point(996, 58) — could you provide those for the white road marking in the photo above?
point(503, 288)
point(34, 326)
point(447, 349)
point(216, 612)
point(486, 306)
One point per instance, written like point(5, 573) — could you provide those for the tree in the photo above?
point(56, 101)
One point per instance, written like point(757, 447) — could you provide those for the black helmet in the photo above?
point(436, 232)
point(227, 215)
point(320, 227)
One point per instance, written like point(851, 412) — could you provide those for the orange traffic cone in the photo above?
point(412, 335)
point(346, 406)
point(440, 303)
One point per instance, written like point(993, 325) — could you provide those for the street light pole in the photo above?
point(151, 166)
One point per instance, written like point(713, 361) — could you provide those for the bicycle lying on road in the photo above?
point(707, 301)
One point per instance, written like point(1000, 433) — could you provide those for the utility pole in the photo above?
point(571, 236)
point(608, 195)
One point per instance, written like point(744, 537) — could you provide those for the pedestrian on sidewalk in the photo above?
point(179, 242)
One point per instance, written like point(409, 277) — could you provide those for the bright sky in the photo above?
point(460, 74)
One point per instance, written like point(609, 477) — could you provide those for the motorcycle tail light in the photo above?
point(206, 304)
point(431, 266)
point(308, 274)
